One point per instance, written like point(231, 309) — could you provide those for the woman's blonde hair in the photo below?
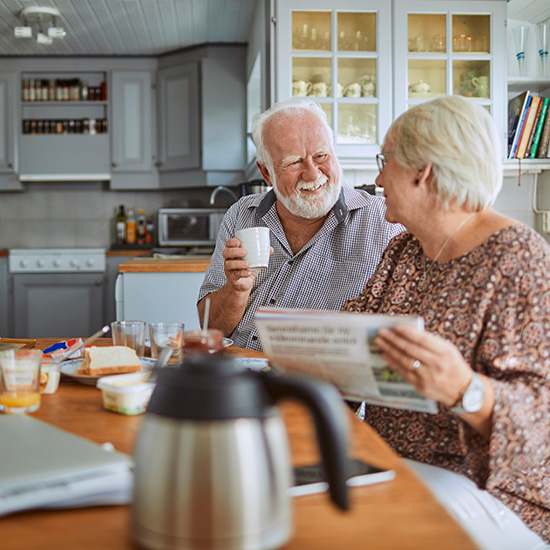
point(460, 139)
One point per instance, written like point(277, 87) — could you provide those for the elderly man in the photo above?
point(327, 239)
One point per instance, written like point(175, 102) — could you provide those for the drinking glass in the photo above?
point(20, 381)
point(164, 335)
point(130, 334)
point(544, 42)
point(521, 34)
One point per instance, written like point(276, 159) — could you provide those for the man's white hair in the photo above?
point(292, 106)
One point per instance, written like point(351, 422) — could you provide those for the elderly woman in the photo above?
point(481, 281)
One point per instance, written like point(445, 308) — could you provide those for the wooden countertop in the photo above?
point(129, 252)
point(4, 252)
point(153, 265)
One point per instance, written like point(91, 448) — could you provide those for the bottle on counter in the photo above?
point(120, 225)
point(141, 227)
point(131, 226)
point(150, 230)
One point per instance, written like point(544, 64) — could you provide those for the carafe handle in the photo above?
point(331, 425)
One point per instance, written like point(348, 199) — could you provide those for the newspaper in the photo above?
point(339, 347)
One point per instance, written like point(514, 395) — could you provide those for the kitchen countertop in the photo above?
point(154, 265)
point(4, 252)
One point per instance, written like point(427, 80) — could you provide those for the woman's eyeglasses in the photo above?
point(381, 159)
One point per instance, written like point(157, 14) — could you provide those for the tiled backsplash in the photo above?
point(58, 215)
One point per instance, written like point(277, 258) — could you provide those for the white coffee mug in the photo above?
point(319, 89)
point(352, 90)
point(255, 240)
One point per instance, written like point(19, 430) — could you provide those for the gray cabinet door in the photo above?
point(57, 305)
point(131, 121)
point(7, 122)
point(179, 111)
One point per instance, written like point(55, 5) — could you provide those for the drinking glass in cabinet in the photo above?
point(471, 33)
point(427, 78)
point(356, 124)
point(471, 78)
point(357, 76)
point(426, 33)
point(311, 76)
point(356, 32)
point(311, 30)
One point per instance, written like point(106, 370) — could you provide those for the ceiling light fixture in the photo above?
point(41, 16)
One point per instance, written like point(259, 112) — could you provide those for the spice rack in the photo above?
point(64, 125)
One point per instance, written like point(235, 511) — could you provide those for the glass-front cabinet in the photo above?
point(339, 54)
point(450, 47)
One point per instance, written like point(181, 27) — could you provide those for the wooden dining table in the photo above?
point(400, 514)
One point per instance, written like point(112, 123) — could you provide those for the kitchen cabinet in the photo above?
point(202, 117)
point(454, 47)
point(179, 131)
point(57, 304)
point(156, 290)
point(8, 131)
point(341, 57)
point(367, 62)
point(133, 131)
point(58, 117)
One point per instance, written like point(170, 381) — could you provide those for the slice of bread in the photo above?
point(99, 360)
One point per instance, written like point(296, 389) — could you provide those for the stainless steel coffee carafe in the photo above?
point(212, 460)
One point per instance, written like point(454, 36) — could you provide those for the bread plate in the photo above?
point(70, 369)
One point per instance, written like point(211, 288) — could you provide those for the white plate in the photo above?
point(70, 368)
point(253, 363)
point(227, 342)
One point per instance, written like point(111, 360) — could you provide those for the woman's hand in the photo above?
point(433, 365)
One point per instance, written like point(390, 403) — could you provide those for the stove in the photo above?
point(57, 260)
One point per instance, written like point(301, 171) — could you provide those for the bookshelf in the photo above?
point(517, 85)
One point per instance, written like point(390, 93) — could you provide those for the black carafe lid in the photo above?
point(210, 387)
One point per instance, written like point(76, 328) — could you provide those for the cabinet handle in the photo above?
point(114, 164)
point(98, 282)
point(158, 163)
point(11, 164)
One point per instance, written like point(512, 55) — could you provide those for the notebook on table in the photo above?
point(45, 467)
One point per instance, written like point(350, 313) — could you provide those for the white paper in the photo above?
point(339, 347)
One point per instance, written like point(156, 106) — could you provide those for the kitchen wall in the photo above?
point(82, 215)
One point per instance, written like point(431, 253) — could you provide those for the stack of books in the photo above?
point(528, 126)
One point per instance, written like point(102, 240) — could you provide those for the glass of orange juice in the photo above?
point(20, 381)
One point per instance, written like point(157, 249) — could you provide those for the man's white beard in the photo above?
point(306, 205)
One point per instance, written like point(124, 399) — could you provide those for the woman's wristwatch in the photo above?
point(472, 399)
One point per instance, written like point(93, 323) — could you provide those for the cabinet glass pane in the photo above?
point(427, 33)
point(356, 77)
point(311, 76)
point(471, 78)
point(356, 124)
point(471, 33)
point(327, 107)
point(311, 30)
point(356, 32)
point(427, 78)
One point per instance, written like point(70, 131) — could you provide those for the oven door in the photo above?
point(57, 305)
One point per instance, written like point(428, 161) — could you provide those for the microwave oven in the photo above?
point(189, 226)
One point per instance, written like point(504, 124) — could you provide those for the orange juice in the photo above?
point(18, 400)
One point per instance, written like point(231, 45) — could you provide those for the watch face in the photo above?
point(473, 398)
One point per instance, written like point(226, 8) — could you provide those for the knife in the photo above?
point(77, 347)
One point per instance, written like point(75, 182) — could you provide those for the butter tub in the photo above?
point(126, 393)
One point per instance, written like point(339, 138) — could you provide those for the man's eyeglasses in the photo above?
point(381, 159)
